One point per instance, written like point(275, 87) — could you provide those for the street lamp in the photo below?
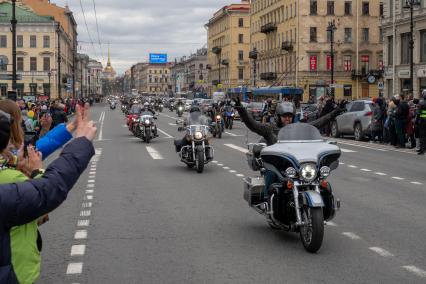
point(330, 29)
point(253, 55)
point(410, 4)
point(14, 22)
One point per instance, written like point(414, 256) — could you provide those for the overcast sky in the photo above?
point(134, 28)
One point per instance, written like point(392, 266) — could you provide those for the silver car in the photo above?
point(355, 121)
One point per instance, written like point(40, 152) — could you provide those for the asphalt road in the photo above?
point(138, 215)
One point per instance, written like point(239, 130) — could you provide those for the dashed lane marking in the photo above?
point(154, 153)
point(86, 205)
point(165, 133)
point(78, 250)
point(416, 183)
point(240, 175)
point(233, 134)
point(172, 124)
point(89, 197)
point(352, 166)
point(347, 150)
point(89, 191)
point(75, 268)
point(341, 163)
point(362, 146)
point(85, 213)
point(92, 173)
point(226, 168)
point(90, 185)
point(80, 235)
point(220, 165)
point(365, 170)
point(398, 178)
point(351, 235)
point(380, 174)
point(91, 181)
point(413, 269)
point(232, 171)
point(83, 223)
point(235, 147)
point(381, 252)
point(215, 162)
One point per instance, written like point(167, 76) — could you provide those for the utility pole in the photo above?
point(58, 30)
point(14, 22)
point(253, 55)
point(331, 28)
point(410, 4)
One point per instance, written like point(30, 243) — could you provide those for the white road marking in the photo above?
point(235, 147)
point(361, 146)
point(89, 197)
point(232, 171)
point(240, 175)
point(381, 252)
point(365, 170)
point(215, 162)
point(153, 153)
point(380, 174)
point(347, 150)
point(75, 268)
point(89, 191)
point(80, 235)
point(85, 213)
point(172, 124)
point(351, 235)
point(92, 173)
point(341, 163)
point(220, 165)
point(165, 133)
point(86, 205)
point(78, 250)
point(98, 151)
point(331, 224)
point(413, 269)
point(92, 176)
point(101, 119)
point(398, 178)
point(91, 181)
point(226, 168)
point(83, 223)
point(416, 183)
point(90, 185)
point(352, 166)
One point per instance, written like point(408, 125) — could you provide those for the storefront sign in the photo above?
point(404, 74)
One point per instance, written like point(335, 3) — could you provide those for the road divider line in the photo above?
point(380, 174)
point(75, 268)
point(85, 213)
point(80, 234)
point(165, 133)
point(347, 150)
point(351, 235)
point(365, 170)
point(102, 126)
point(86, 204)
point(89, 197)
point(155, 155)
point(352, 166)
point(220, 165)
point(83, 223)
point(362, 146)
point(381, 252)
point(225, 168)
point(235, 147)
point(416, 183)
point(413, 269)
point(90, 185)
point(398, 178)
point(78, 250)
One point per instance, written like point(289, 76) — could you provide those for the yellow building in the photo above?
point(228, 47)
point(153, 79)
point(293, 44)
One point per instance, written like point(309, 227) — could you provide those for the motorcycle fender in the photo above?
point(313, 199)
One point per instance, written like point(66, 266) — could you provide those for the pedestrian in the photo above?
point(27, 122)
point(58, 114)
point(390, 122)
point(421, 124)
point(377, 123)
point(401, 115)
point(410, 123)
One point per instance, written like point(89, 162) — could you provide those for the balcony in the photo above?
point(216, 50)
point(268, 28)
point(253, 54)
point(287, 46)
point(268, 76)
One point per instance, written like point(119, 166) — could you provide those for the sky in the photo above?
point(134, 28)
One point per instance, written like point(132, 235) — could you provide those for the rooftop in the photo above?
point(22, 15)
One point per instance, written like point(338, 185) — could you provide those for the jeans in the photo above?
point(400, 131)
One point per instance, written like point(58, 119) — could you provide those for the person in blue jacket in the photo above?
point(23, 202)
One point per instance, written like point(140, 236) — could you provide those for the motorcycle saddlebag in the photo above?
point(253, 190)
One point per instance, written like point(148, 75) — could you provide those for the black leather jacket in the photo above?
point(270, 131)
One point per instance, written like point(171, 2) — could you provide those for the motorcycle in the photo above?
point(156, 106)
point(132, 119)
point(147, 130)
point(112, 105)
point(229, 118)
point(198, 153)
point(160, 107)
point(302, 198)
point(216, 127)
point(179, 111)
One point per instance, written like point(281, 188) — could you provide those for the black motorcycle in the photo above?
point(147, 130)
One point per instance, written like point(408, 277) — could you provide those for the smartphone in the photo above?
point(30, 138)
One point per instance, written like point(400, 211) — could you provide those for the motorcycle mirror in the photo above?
point(155, 117)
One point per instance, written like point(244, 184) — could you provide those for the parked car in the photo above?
point(355, 121)
point(255, 109)
point(310, 112)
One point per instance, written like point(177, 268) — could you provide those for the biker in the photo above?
point(421, 124)
point(147, 108)
point(285, 114)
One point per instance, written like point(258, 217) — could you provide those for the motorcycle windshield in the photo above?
point(146, 113)
point(135, 109)
point(299, 132)
point(196, 118)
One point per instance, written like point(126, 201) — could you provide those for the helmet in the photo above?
point(194, 109)
point(282, 109)
point(146, 105)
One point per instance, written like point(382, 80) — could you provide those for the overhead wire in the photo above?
point(97, 29)
point(87, 29)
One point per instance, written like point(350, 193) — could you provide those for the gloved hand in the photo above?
point(237, 102)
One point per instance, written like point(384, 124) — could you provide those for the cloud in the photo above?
point(134, 28)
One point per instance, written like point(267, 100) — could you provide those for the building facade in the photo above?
point(153, 79)
point(293, 41)
point(396, 30)
point(82, 74)
point(94, 78)
point(228, 47)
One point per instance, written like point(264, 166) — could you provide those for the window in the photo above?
point(365, 8)
point(3, 67)
point(423, 46)
point(3, 41)
point(348, 8)
point(347, 63)
point(46, 41)
point(348, 35)
point(357, 106)
point(313, 34)
point(240, 38)
point(240, 73)
point(33, 63)
point(390, 49)
point(240, 55)
point(46, 64)
point(241, 22)
point(19, 41)
point(381, 10)
point(330, 7)
point(347, 90)
point(365, 64)
point(33, 41)
point(365, 34)
point(20, 64)
point(380, 61)
point(405, 48)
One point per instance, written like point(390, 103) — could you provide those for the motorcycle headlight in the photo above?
point(233, 114)
point(308, 172)
point(180, 108)
point(325, 172)
point(147, 122)
point(291, 172)
point(218, 117)
point(198, 135)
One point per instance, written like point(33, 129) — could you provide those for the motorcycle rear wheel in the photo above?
point(200, 162)
point(220, 134)
point(312, 234)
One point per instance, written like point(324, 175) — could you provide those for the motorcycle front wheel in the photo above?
point(200, 162)
point(219, 134)
point(312, 233)
point(148, 136)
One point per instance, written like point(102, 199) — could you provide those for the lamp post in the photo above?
point(410, 4)
point(253, 55)
point(14, 22)
point(331, 28)
point(49, 74)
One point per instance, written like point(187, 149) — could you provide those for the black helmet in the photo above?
point(194, 109)
point(283, 109)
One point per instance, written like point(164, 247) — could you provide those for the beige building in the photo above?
point(152, 78)
point(293, 45)
point(228, 47)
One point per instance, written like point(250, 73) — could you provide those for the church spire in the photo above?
point(109, 57)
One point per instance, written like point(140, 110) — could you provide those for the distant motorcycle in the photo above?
point(160, 107)
point(112, 105)
point(197, 153)
point(216, 126)
point(229, 117)
point(179, 111)
point(301, 198)
point(147, 130)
